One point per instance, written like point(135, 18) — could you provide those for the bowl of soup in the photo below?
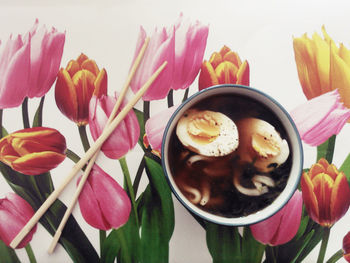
point(232, 155)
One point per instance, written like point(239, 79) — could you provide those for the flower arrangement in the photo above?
point(137, 226)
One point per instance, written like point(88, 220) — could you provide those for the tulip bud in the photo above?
point(224, 67)
point(33, 151)
point(326, 193)
point(15, 212)
point(29, 65)
point(282, 226)
point(346, 247)
point(103, 203)
point(322, 66)
point(75, 86)
point(124, 137)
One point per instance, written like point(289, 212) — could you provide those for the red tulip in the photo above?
point(281, 227)
point(29, 65)
point(326, 193)
point(33, 151)
point(224, 67)
point(346, 247)
point(75, 86)
point(15, 212)
point(123, 138)
point(103, 203)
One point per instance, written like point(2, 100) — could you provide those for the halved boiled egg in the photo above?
point(261, 143)
point(207, 132)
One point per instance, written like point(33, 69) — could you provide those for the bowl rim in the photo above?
point(254, 217)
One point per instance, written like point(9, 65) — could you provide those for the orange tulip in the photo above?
point(346, 247)
point(33, 151)
point(322, 66)
point(75, 86)
point(224, 67)
point(326, 193)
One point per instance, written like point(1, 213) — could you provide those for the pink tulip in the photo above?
point(182, 46)
point(161, 48)
point(190, 43)
point(103, 203)
point(320, 118)
point(124, 137)
point(281, 227)
point(155, 127)
point(15, 212)
point(29, 65)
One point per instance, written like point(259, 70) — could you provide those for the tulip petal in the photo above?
point(243, 74)
point(340, 198)
point(265, 230)
point(290, 220)
point(323, 184)
point(226, 72)
point(37, 163)
point(14, 72)
point(100, 84)
point(90, 65)
point(320, 118)
point(215, 59)
point(309, 197)
point(155, 127)
point(207, 76)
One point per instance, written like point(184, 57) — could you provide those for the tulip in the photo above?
point(224, 67)
point(75, 86)
point(320, 118)
point(282, 226)
point(190, 43)
point(326, 193)
point(15, 212)
point(29, 65)
point(103, 203)
point(346, 247)
point(161, 48)
point(322, 66)
point(124, 137)
point(33, 151)
point(155, 127)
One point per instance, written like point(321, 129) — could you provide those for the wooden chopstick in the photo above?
point(98, 143)
point(93, 159)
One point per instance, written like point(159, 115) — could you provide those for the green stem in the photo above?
point(84, 137)
point(125, 169)
point(72, 155)
point(337, 255)
point(1, 115)
point(25, 115)
point(146, 110)
point(139, 175)
point(186, 94)
point(123, 245)
point(30, 253)
point(38, 120)
point(323, 248)
point(326, 149)
point(170, 98)
point(103, 236)
point(270, 251)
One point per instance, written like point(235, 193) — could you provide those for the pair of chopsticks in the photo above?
point(91, 155)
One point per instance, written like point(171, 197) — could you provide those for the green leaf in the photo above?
point(141, 120)
point(252, 250)
point(157, 216)
point(326, 149)
point(224, 243)
point(345, 168)
point(7, 254)
point(38, 117)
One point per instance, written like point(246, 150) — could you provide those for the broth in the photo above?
point(211, 179)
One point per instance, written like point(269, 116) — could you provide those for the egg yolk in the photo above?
point(203, 127)
point(265, 144)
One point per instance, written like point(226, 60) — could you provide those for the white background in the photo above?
point(260, 31)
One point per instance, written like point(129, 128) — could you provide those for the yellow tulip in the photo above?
point(322, 66)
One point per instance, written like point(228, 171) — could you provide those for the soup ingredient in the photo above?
point(261, 144)
point(207, 132)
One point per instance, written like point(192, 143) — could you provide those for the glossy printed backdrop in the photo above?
point(260, 31)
